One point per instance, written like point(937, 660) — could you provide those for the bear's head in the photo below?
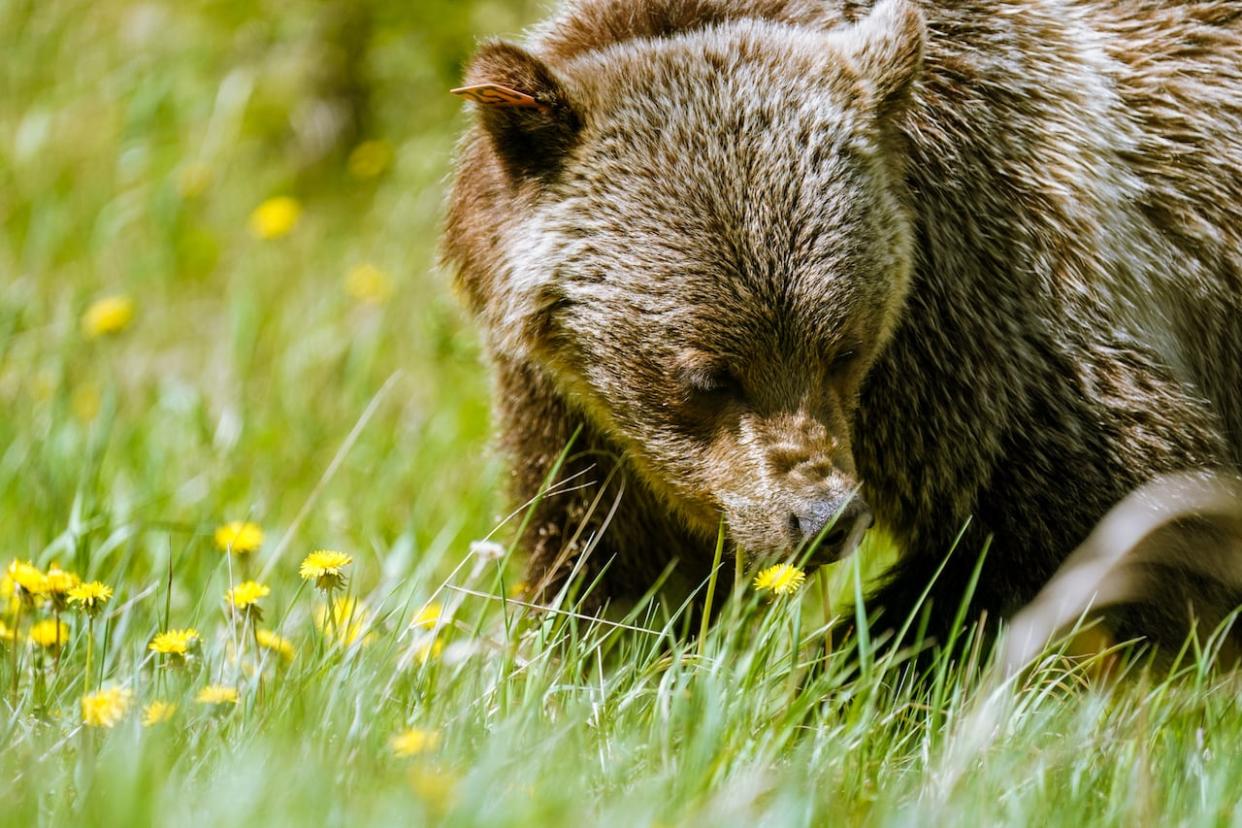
point(704, 239)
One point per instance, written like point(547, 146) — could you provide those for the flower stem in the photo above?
point(331, 625)
point(56, 656)
point(258, 655)
point(17, 631)
point(90, 649)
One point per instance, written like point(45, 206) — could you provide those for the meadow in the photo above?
point(257, 563)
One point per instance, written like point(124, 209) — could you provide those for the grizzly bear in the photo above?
point(795, 267)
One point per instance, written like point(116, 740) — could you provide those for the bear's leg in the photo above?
point(592, 515)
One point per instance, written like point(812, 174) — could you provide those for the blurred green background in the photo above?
point(137, 141)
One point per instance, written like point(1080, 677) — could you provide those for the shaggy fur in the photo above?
point(944, 262)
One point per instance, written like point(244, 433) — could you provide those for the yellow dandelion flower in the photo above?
point(275, 217)
point(157, 712)
point(326, 568)
point(106, 316)
point(28, 581)
point(369, 159)
point(177, 643)
point(217, 694)
point(428, 617)
point(278, 644)
point(86, 402)
point(346, 622)
point(435, 786)
point(7, 633)
point(105, 708)
point(367, 283)
point(246, 595)
point(428, 650)
point(239, 536)
point(60, 580)
point(59, 583)
point(90, 596)
point(413, 741)
point(49, 633)
point(782, 579)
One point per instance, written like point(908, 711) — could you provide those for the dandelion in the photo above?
point(28, 584)
point(245, 598)
point(49, 634)
point(782, 579)
point(157, 712)
point(367, 283)
point(216, 694)
point(277, 644)
point(369, 159)
point(107, 316)
point(176, 643)
point(58, 583)
point(275, 217)
point(7, 633)
point(105, 708)
point(435, 786)
point(90, 596)
point(28, 580)
point(428, 650)
point(428, 617)
point(413, 741)
point(344, 621)
point(239, 536)
point(326, 568)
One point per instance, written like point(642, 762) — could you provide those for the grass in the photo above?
point(257, 381)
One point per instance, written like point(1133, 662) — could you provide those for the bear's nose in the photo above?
point(848, 519)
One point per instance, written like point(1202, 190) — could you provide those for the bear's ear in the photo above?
point(886, 46)
point(524, 109)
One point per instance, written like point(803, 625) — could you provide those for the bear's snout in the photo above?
point(833, 525)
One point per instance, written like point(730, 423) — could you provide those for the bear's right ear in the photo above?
point(887, 48)
point(524, 109)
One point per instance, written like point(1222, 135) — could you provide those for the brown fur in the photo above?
point(979, 261)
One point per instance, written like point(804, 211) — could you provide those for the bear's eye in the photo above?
point(715, 383)
point(843, 360)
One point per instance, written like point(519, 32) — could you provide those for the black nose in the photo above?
point(830, 521)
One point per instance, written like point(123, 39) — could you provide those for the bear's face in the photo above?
point(709, 263)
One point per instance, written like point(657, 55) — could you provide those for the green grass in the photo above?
point(135, 141)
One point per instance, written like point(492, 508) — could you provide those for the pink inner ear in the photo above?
point(493, 94)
